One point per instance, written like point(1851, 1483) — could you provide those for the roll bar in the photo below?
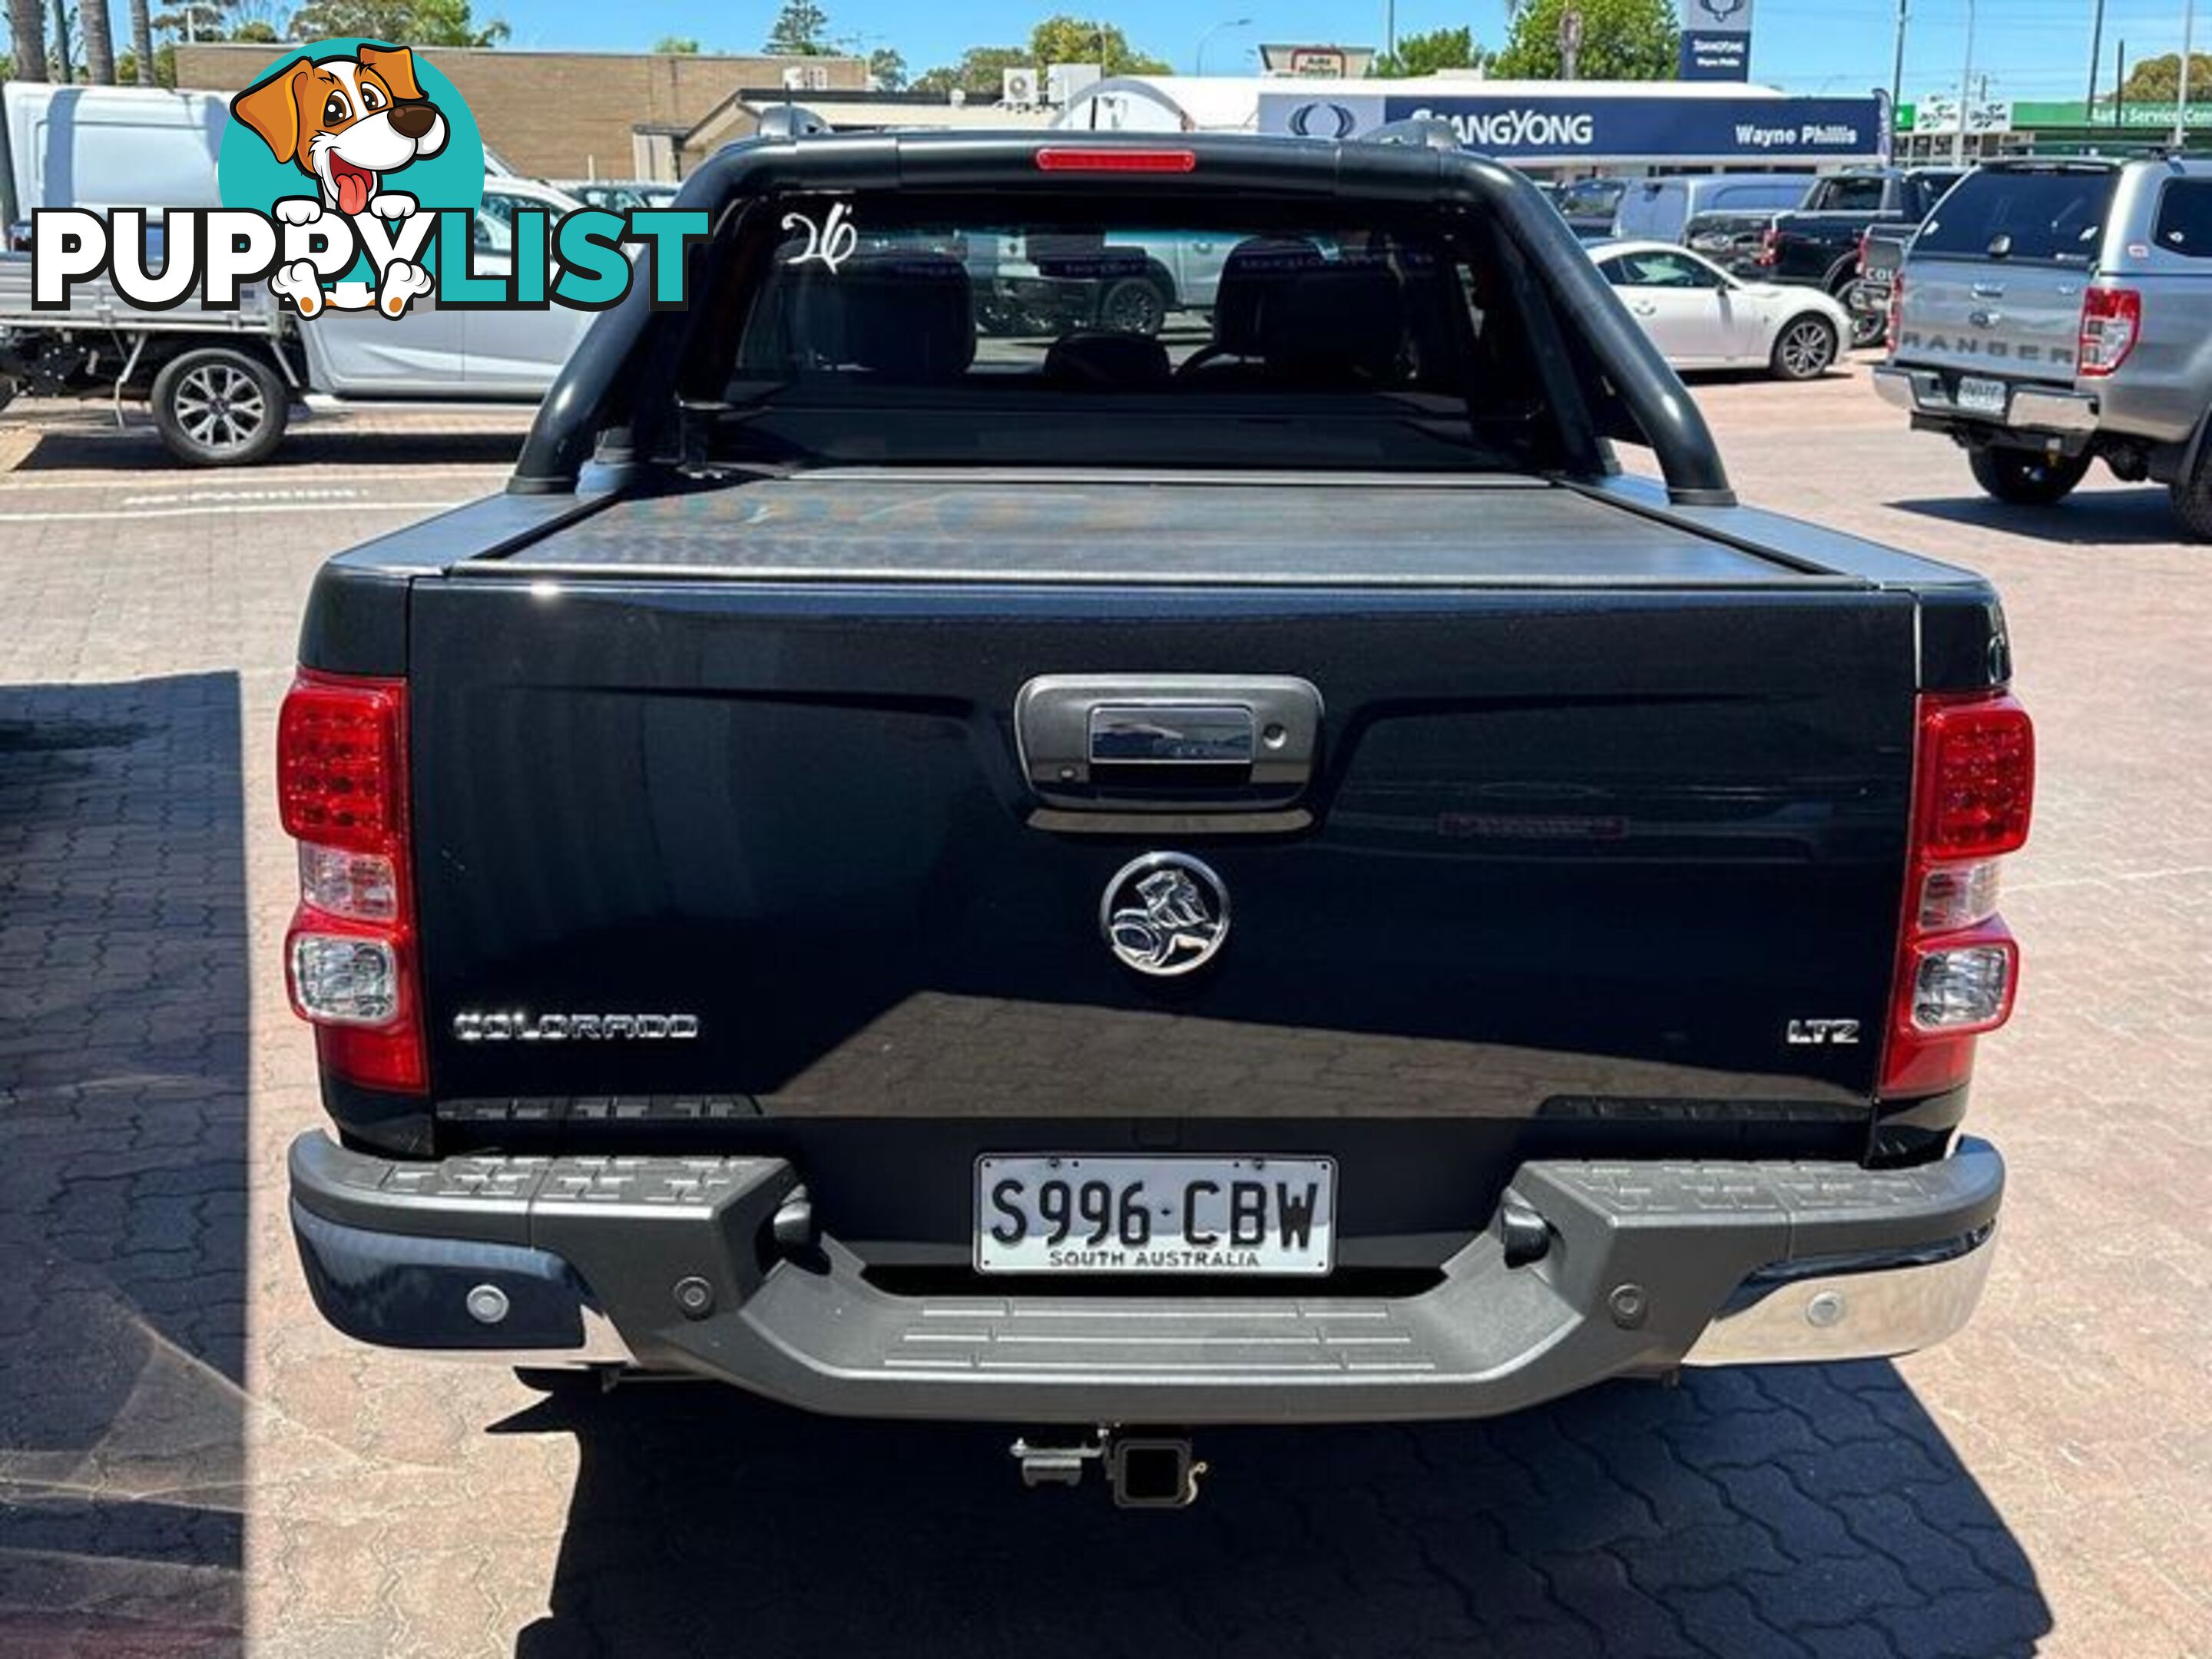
point(599, 386)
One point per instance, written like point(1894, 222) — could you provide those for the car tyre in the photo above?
point(2026, 477)
point(2192, 500)
point(1134, 305)
point(1805, 349)
point(218, 406)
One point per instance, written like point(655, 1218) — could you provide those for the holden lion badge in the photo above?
point(1165, 913)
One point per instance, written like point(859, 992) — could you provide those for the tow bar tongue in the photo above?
point(1147, 1471)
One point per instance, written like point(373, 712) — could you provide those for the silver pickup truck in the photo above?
point(2054, 314)
point(222, 384)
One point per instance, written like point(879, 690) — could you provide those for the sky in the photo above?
point(2027, 48)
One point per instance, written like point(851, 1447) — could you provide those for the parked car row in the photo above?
point(1779, 227)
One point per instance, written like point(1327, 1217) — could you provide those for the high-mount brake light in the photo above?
point(349, 954)
point(1957, 966)
point(1065, 159)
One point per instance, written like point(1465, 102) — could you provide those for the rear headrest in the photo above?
point(1254, 270)
point(908, 317)
point(1339, 323)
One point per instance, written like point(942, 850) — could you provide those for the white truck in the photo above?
point(222, 384)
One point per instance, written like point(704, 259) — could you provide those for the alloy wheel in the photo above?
point(220, 408)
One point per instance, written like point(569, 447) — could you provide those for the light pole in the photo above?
point(1231, 23)
point(1897, 73)
point(1967, 92)
point(2096, 62)
point(2188, 51)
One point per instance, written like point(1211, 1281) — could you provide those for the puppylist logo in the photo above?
point(351, 175)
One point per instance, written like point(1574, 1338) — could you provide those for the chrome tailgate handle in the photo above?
point(1168, 743)
point(1172, 734)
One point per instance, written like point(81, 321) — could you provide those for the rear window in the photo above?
point(1846, 196)
point(1999, 214)
point(882, 330)
point(1927, 189)
point(2185, 219)
point(1592, 197)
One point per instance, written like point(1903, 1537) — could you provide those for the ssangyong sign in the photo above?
point(1571, 127)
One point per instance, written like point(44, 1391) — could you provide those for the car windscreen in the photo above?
point(882, 328)
point(2056, 216)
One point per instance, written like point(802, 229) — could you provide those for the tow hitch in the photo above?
point(1154, 1470)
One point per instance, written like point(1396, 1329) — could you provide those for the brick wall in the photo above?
point(556, 114)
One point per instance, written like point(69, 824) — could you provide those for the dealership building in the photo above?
point(1928, 130)
point(1568, 128)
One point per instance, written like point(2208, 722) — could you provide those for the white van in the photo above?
point(110, 147)
point(1664, 210)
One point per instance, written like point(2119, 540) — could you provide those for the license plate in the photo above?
point(1981, 397)
point(1071, 1214)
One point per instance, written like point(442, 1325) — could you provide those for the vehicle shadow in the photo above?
point(97, 446)
point(2140, 516)
point(123, 1176)
point(1791, 1510)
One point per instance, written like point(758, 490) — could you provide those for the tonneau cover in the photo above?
point(862, 524)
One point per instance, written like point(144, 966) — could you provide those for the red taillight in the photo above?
point(1896, 310)
point(338, 745)
point(2111, 321)
point(1065, 160)
point(349, 953)
point(1958, 966)
point(1976, 784)
point(1769, 247)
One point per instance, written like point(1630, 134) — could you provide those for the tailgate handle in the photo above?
point(1168, 743)
point(1172, 734)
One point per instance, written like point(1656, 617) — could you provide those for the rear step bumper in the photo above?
point(2030, 408)
point(673, 1264)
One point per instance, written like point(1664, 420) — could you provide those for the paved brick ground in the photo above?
point(187, 1455)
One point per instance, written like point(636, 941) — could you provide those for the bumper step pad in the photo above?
point(1647, 1263)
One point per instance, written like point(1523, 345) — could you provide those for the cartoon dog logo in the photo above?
point(347, 123)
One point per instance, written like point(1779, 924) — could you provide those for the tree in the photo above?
point(61, 53)
point(416, 23)
point(1426, 54)
point(98, 43)
point(142, 43)
point(977, 72)
point(1622, 41)
point(677, 45)
point(27, 20)
point(195, 19)
point(887, 68)
point(1065, 40)
point(802, 30)
point(2158, 80)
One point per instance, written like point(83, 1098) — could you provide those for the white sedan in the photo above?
point(1700, 317)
